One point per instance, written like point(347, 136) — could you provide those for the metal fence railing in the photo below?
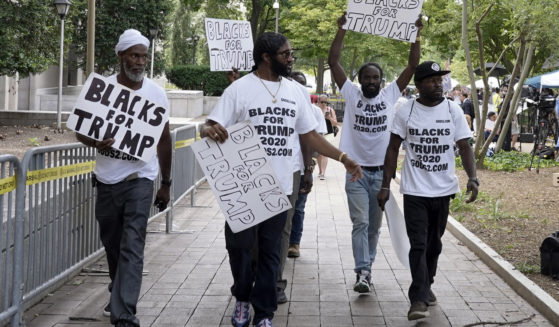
point(11, 239)
point(48, 230)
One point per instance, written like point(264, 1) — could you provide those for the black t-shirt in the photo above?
point(468, 108)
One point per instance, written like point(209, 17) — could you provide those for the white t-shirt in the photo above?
point(365, 133)
point(489, 124)
point(113, 166)
point(278, 124)
point(430, 134)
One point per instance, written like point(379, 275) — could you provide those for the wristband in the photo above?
point(341, 156)
point(385, 188)
point(474, 179)
point(166, 182)
point(417, 39)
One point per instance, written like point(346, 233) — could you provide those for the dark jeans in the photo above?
point(425, 224)
point(298, 216)
point(258, 287)
point(122, 211)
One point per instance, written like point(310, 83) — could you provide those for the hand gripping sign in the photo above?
point(241, 177)
point(107, 109)
point(394, 19)
point(230, 44)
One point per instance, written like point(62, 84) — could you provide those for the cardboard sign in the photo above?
point(230, 44)
point(110, 110)
point(241, 177)
point(394, 19)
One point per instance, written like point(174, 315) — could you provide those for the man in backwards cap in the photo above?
point(125, 187)
point(430, 125)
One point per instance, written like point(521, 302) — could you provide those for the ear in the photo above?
point(266, 57)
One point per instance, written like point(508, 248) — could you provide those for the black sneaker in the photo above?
point(418, 310)
point(107, 310)
point(362, 282)
point(432, 298)
point(282, 298)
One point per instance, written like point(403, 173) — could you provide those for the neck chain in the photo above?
point(273, 95)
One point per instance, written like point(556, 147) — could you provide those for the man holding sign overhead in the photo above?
point(125, 183)
point(365, 135)
point(280, 111)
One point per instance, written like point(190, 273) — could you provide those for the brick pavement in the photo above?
point(187, 277)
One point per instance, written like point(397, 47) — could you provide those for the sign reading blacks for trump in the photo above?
point(394, 19)
point(107, 109)
point(230, 44)
point(241, 177)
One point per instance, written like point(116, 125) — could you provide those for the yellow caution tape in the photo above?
point(49, 174)
point(183, 143)
point(7, 184)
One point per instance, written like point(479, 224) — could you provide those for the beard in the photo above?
point(280, 69)
point(369, 94)
point(135, 77)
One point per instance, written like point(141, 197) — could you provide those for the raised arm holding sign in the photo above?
point(365, 135)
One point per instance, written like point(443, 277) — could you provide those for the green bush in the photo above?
point(192, 77)
point(511, 161)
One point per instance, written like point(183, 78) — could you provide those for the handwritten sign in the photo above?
point(230, 44)
point(241, 177)
point(107, 109)
point(394, 19)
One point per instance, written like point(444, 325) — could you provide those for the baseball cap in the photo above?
point(428, 68)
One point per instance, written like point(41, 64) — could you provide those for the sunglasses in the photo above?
point(325, 102)
point(287, 53)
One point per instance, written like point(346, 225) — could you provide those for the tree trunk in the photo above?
point(527, 61)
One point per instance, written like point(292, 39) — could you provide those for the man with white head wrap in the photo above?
point(125, 188)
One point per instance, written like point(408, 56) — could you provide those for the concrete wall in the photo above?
point(209, 104)
point(186, 104)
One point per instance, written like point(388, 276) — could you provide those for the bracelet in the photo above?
point(385, 188)
point(341, 156)
point(417, 39)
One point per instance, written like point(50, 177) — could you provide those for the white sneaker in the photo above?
point(241, 314)
point(363, 282)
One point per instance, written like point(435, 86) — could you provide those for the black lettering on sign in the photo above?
point(232, 200)
point(95, 89)
point(217, 168)
point(81, 116)
point(225, 183)
point(239, 136)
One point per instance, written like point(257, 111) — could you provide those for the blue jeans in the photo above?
point(298, 216)
point(366, 217)
point(122, 211)
point(258, 286)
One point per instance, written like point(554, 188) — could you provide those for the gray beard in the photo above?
point(133, 77)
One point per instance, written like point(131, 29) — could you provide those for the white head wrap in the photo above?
point(130, 38)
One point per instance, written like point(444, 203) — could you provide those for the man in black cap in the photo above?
point(430, 125)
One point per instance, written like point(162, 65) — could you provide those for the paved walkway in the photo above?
point(187, 277)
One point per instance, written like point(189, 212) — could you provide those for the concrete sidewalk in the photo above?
point(187, 277)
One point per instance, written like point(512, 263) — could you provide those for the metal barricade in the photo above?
point(186, 172)
point(61, 234)
point(11, 239)
point(48, 229)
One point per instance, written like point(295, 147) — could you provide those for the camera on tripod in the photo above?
point(546, 103)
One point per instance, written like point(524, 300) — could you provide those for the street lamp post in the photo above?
point(276, 7)
point(62, 7)
point(153, 33)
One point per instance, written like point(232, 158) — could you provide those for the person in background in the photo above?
point(125, 188)
point(490, 125)
point(468, 109)
point(305, 185)
point(330, 117)
point(431, 126)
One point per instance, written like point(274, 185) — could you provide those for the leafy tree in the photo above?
point(113, 17)
point(29, 36)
